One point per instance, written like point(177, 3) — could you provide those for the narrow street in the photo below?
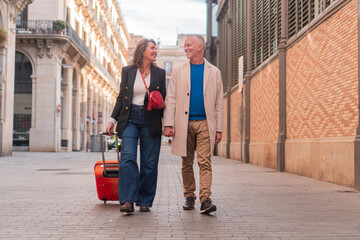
point(53, 196)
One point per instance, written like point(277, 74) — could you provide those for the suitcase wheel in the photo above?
point(104, 199)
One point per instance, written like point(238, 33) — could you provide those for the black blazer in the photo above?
point(122, 107)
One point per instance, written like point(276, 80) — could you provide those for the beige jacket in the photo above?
point(177, 101)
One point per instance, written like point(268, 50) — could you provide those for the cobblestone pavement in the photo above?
point(53, 196)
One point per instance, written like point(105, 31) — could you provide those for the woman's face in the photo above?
point(150, 52)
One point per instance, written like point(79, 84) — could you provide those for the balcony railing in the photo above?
point(103, 70)
point(47, 27)
point(76, 39)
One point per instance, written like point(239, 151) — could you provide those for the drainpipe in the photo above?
point(241, 123)
point(247, 79)
point(357, 138)
point(282, 88)
point(229, 65)
point(208, 30)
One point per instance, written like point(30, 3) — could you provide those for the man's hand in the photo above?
point(168, 131)
point(110, 128)
point(218, 137)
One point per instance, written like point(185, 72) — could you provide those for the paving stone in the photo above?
point(53, 196)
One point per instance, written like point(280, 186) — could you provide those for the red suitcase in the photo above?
point(107, 175)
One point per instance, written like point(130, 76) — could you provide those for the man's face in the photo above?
point(192, 47)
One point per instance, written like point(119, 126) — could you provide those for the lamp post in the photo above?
point(209, 38)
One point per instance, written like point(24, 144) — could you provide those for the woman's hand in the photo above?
point(110, 128)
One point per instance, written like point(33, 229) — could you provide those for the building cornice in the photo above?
point(18, 5)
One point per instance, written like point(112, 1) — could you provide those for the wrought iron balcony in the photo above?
point(41, 27)
point(50, 27)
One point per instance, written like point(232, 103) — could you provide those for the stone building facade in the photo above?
point(299, 108)
point(69, 56)
point(8, 15)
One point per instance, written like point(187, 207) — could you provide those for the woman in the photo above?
point(134, 123)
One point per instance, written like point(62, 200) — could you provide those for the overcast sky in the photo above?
point(164, 18)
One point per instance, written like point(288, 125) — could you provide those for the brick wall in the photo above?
point(264, 105)
point(224, 133)
point(235, 116)
point(235, 140)
point(321, 104)
point(322, 79)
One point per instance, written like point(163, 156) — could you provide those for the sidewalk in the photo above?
point(53, 196)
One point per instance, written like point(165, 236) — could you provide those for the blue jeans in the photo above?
point(134, 185)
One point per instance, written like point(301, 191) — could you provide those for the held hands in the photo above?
point(110, 128)
point(218, 137)
point(168, 131)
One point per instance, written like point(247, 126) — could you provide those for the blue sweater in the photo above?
point(197, 108)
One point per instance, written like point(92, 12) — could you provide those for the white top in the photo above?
point(139, 90)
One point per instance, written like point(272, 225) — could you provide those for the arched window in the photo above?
point(22, 100)
point(23, 71)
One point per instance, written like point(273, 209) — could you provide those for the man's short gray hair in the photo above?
point(200, 39)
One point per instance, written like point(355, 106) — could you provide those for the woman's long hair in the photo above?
point(139, 51)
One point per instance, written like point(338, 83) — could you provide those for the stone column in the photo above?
point(33, 110)
point(8, 14)
point(76, 115)
point(100, 111)
point(89, 116)
point(105, 111)
point(59, 109)
point(6, 118)
point(7, 73)
point(107, 114)
point(66, 132)
point(33, 103)
point(106, 118)
point(96, 110)
point(44, 133)
point(84, 106)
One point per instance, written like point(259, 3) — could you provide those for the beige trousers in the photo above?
point(198, 139)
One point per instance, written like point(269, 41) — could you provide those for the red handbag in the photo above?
point(155, 98)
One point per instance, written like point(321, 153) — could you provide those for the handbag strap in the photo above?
point(142, 76)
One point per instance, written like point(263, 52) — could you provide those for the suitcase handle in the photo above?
point(111, 173)
point(102, 148)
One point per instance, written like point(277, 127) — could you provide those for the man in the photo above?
point(194, 117)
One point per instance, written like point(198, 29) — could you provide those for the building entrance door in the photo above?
point(22, 100)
